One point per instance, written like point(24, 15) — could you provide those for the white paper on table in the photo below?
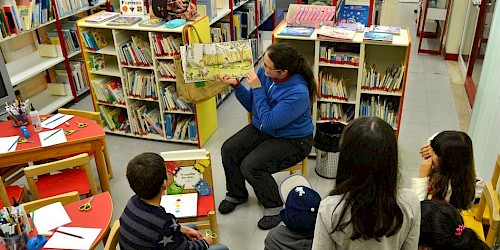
point(57, 138)
point(49, 217)
point(180, 205)
point(51, 125)
point(63, 241)
point(6, 143)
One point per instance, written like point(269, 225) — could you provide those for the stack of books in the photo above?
point(328, 32)
point(383, 34)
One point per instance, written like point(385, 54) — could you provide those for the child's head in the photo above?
point(301, 204)
point(147, 175)
point(367, 178)
point(442, 227)
point(453, 161)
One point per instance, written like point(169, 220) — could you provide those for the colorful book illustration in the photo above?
point(201, 62)
point(385, 29)
point(124, 21)
point(377, 37)
point(297, 31)
point(336, 33)
point(153, 22)
point(102, 17)
point(132, 8)
point(358, 27)
point(181, 205)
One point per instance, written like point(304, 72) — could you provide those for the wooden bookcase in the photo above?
point(205, 114)
point(379, 54)
point(29, 72)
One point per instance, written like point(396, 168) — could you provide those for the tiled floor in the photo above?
point(429, 108)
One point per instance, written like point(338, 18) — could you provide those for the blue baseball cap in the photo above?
point(301, 204)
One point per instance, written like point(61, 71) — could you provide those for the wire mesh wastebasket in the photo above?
point(326, 141)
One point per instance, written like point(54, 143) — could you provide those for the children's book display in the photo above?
point(124, 21)
point(386, 29)
point(297, 31)
point(201, 62)
point(358, 27)
point(102, 17)
point(377, 37)
point(327, 32)
point(153, 22)
point(310, 15)
point(132, 8)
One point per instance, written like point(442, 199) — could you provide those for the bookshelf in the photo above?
point(30, 72)
point(348, 90)
point(141, 100)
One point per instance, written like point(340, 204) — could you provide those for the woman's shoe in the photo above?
point(268, 222)
point(226, 206)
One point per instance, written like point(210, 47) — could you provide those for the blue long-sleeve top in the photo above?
point(280, 109)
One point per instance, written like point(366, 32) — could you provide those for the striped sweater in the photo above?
point(144, 226)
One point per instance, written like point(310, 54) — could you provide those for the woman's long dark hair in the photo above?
point(367, 178)
point(438, 228)
point(286, 57)
point(456, 165)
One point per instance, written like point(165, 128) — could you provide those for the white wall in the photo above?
point(455, 26)
point(484, 127)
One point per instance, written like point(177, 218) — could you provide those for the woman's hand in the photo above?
point(191, 233)
point(425, 168)
point(253, 80)
point(226, 79)
point(426, 151)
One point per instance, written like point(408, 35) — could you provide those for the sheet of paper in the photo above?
point(58, 137)
point(51, 216)
point(8, 144)
point(56, 120)
point(63, 241)
point(180, 205)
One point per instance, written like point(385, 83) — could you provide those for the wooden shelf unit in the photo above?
point(205, 114)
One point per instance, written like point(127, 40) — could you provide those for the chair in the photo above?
point(488, 199)
point(494, 182)
point(7, 192)
point(206, 218)
point(113, 237)
point(65, 199)
point(95, 116)
point(302, 166)
point(72, 179)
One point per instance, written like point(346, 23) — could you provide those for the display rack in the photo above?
point(437, 12)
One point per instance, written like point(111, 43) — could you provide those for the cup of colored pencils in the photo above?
point(18, 112)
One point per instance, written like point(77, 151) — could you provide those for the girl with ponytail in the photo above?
point(279, 134)
point(442, 227)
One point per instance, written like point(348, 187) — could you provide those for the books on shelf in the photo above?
point(390, 80)
point(296, 31)
point(180, 127)
point(385, 29)
point(328, 32)
point(115, 118)
point(358, 27)
point(340, 53)
point(377, 37)
point(336, 112)
point(153, 22)
point(124, 21)
point(96, 62)
point(201, 62)
point(108, 90)
point(94, 40)
point(167, 44)
point(333, 87)
point(136, 52)
point(101, 17)
point(166, 69)
point(385, 108)
point(140, 83)
point(172, 101)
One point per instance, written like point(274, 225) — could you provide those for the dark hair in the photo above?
point(456, 165)
point(438, 226)
point(286, 57)
point(145, 175)
point(367, 178)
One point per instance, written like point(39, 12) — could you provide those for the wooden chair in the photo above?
point(19, 192)
point(113, 237)
point(95, 116)
point(488, 199)
point(302, 166)
point(72, 179)
point(494, 182)
point(65, 199)
point(206, 218)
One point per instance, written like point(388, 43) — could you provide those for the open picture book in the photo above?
point(202, 62)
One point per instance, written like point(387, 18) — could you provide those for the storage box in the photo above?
point(310, 15)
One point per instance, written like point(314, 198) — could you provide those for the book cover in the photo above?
point(154, 22)
point(101, 17)
point(377, 37)
point(358, 27)
point(124, 21)
point(201, 62)
point(336, 33)
point(386, 29)
point(297, 31)
point(180, 205)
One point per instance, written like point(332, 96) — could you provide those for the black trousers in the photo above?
point(253, 156)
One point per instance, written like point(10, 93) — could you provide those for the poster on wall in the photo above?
point(132, 8)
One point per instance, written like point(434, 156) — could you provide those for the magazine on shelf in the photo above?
point(377, 37)
point(358, 27)
point(153, 22)
point(386, 29)
point(297, 31)
point(335, 33)
point(124, 21)
point(201, 62)
point(102, 17)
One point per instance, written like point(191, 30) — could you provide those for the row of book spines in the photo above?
point(314, 13)
point(219, 35)
point(167, 70)
point(109, 91)
point(332, 87)
point(328, 55)
point(70, 40)
point(19, 18)
point(384, 109)
point(132, 55)
point(141, 84)
point(80, 79)
point(67, 7)
point(336, 112)
point(390, 81)
point(167, 45)
point(94, 40)
point(111, 115)
point(179, 126)
point(172, 101)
